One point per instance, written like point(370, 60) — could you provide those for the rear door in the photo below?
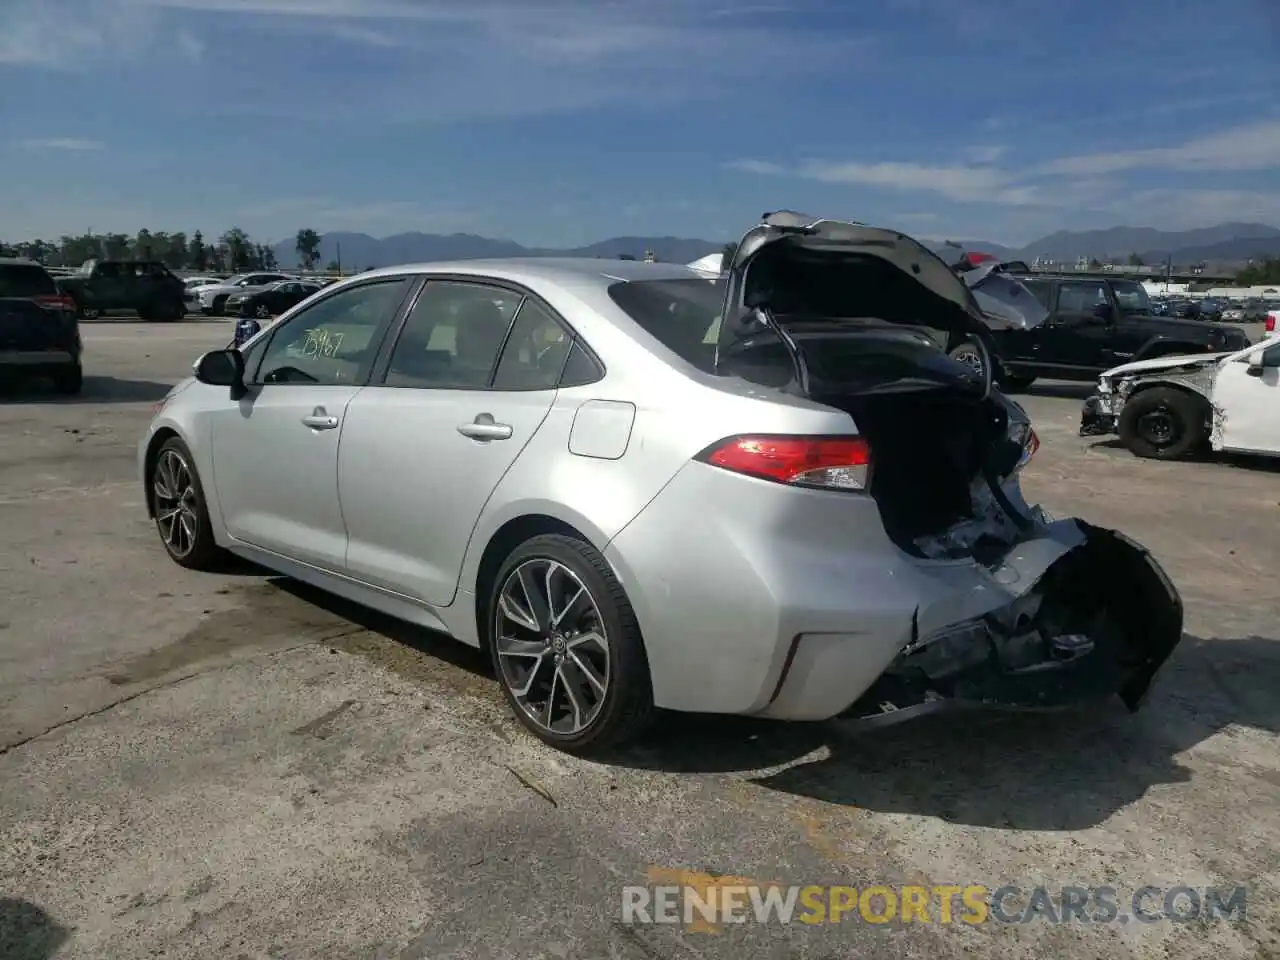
point(1077, 341)
point(446, 416)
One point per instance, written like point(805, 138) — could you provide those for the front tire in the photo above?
point(69, 381)
point(1163, 423)
point(262, 312)
point(181, 511)
point(566, 647)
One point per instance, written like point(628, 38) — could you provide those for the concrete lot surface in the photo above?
point(233, 766)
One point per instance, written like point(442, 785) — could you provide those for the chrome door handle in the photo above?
point(320, 420)
point(484, 428)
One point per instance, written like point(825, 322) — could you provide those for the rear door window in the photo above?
point(25, 280)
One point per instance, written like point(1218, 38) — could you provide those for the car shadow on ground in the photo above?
point(96, 389)
point(27, 932)
point(1057, 771)
point(1069, 770)
point(1061, 389)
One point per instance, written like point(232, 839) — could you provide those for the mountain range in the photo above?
point(1225, 243)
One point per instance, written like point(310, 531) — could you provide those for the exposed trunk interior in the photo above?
point(1099, 623)
point(928, 449)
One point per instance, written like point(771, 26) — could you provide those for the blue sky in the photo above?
point(561, 122)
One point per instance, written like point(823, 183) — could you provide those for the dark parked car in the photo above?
point(1211, 310)
point(39, 329)
point(1092, 325)
point(146, 287)
point(271, 301)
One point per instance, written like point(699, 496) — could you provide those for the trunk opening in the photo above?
point(932, 451)
point(1100, 622)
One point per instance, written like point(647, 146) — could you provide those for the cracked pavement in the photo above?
point(234, 765)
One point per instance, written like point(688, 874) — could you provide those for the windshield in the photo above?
point(1132, 296)
point(682, 315)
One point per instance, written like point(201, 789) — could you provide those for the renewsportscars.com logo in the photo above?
point(705, 906)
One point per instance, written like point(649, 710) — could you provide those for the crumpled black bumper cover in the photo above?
point(1108, 597)
point(1093, 421)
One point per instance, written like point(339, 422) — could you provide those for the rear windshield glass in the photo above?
point(22, 280)
point(1004, 296)
point(682, 315)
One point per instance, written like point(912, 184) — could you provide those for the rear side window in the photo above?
point(682, 315)
point(25, 280)
point(1042, 291)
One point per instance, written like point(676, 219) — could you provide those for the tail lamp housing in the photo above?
point(817, 462)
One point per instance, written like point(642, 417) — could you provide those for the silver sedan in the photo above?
point(771, 493)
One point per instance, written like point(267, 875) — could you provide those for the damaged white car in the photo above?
point(1174, 407)
point(771, 493)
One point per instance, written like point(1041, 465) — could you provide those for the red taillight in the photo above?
point(1271, 323)
point(56, 301)
point(836, 463)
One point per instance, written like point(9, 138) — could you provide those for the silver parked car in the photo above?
point(769, 494)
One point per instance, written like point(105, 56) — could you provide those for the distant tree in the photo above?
point(239, 250)
point(333, 266)
point(143, 245)
point(307, 244)
point(267, 257)
point(115, 246)
point(174, 252)
point(1135, 260)
point(1258, 273)
point(197, 252)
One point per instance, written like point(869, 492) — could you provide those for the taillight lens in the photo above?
point(1030, 444)
point(831, 463)
point(1271, 323)
point(56, 301)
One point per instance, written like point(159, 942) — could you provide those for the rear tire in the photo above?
point(1164, 423)
point(181, 511)
point(69, 381)
point(574, 671)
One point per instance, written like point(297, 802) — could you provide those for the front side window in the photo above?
point(452, 336)
point(1077, 297)
point(1132, 297)
point(332, 342)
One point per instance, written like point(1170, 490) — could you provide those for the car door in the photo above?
point(1077, 340)
point(1249, 398)
point(109, 283)
point(1019, 347)
point(425, 445)
point(275, 451)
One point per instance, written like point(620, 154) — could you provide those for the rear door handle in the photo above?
point(320, 420)
point(485, 428)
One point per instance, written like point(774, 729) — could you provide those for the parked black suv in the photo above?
point(144, 286)
point(39, 331)
point(1094, 323)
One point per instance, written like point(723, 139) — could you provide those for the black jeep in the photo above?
point(146, 287)
point(1091, 324)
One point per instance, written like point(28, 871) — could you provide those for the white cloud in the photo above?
point(61, 143)
point(1254, 146)
point(988, 153)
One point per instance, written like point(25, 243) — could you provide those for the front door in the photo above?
point(1250, 403)
point(424, 447)
point(275, 451)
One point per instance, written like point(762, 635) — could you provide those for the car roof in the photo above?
point(20, 262)
point(563, 271)
point(1047, 275)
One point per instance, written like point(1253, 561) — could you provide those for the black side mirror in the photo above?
point(222, 368)
point(1104, 312)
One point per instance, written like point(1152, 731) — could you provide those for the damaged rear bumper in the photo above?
point(1098, 416)
point(1101, 620)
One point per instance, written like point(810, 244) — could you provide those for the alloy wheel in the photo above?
point(176, 503)
point(553, 652)
point(262, 312)
point(970, 358)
